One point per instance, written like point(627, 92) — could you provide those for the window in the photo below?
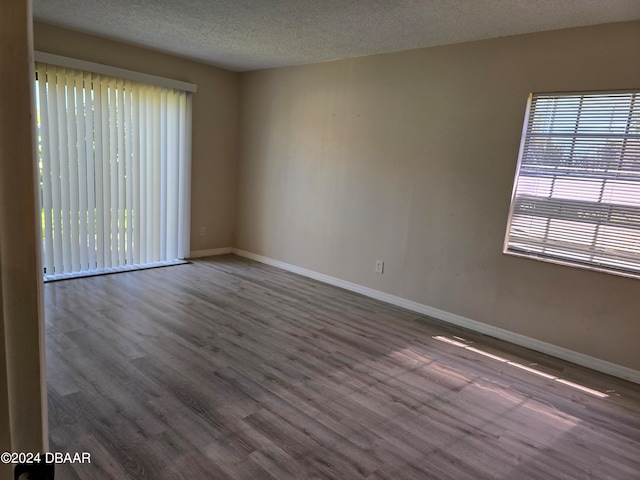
point(114, 172)
point(576, 197)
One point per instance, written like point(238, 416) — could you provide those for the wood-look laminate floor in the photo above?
point(229, 369)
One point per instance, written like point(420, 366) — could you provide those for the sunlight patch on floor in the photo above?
point(533, 371)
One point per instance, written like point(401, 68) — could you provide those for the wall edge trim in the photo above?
point(210, 252)
point(578, 358)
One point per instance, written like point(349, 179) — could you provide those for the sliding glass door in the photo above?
point(114, 163)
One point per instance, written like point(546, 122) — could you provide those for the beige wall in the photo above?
point(214, 122)
point(409, 158)
point(23, 414)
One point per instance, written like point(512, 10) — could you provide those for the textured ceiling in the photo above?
point(251, 34)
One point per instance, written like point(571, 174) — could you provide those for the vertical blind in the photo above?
point(576, 196)
point(115, 165)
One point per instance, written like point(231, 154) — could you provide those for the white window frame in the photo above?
point(576, 193)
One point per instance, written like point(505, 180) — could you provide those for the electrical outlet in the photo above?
point(203, 231)
point(379, 266)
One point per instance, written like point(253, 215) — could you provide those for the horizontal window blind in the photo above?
point(576, 197)
point(115, 167)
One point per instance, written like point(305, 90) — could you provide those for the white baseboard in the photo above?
point(209, 253)
point(515, 338)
